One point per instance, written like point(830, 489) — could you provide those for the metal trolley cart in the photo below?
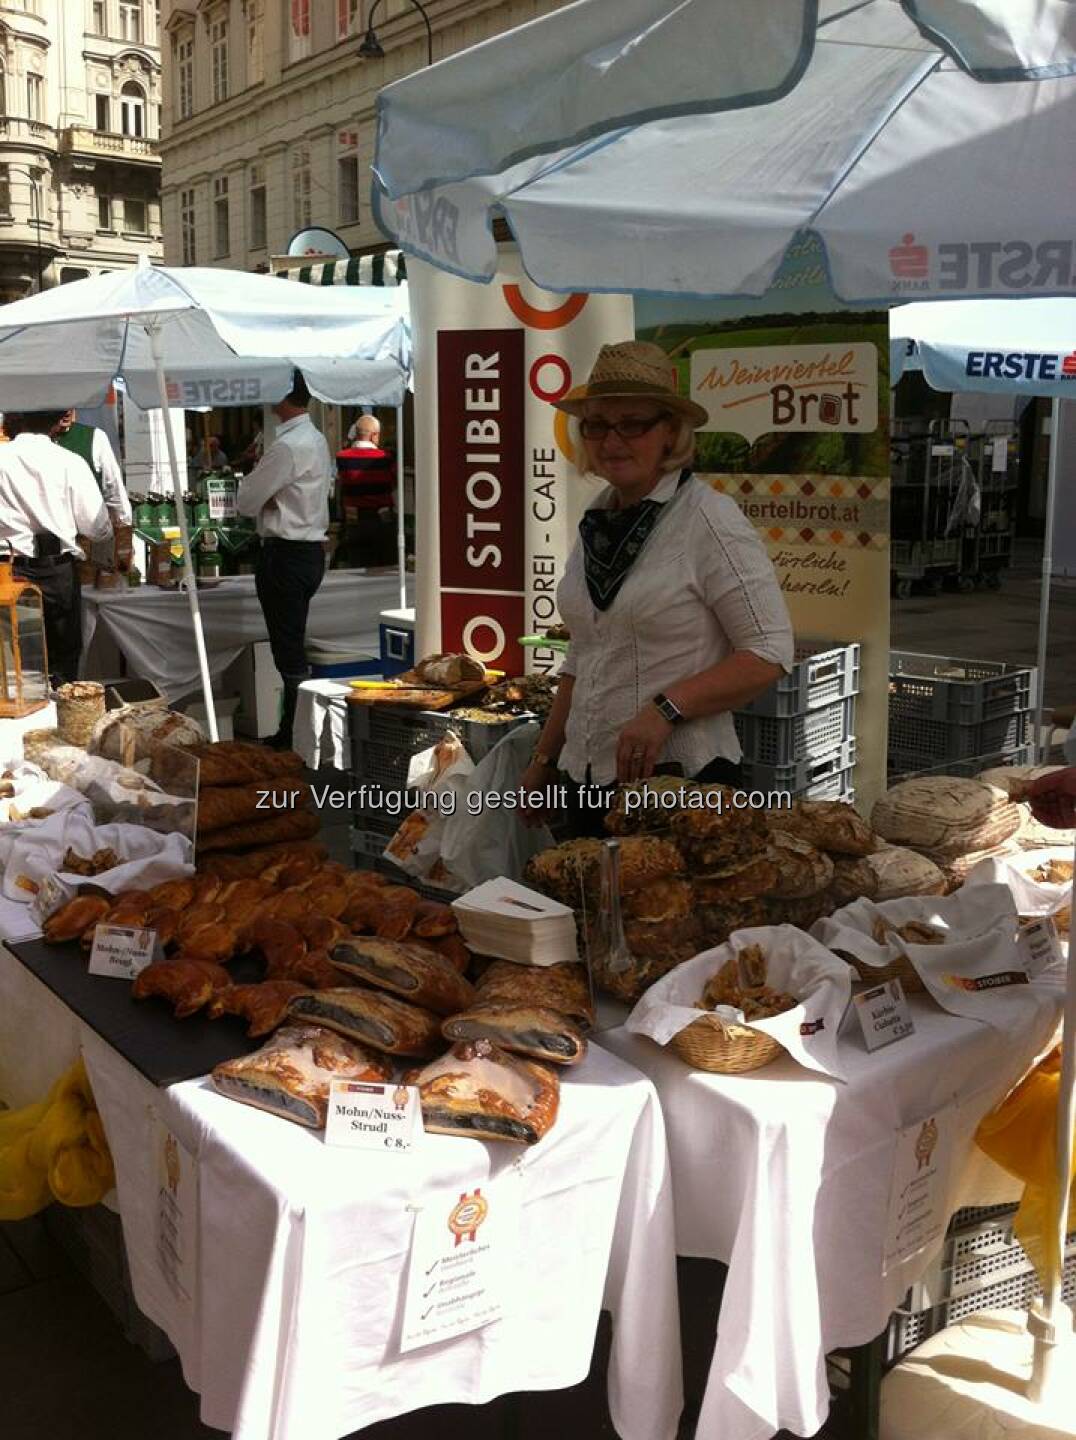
point(994, 456)
point(927, 468)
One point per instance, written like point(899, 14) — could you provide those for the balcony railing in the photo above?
point(14, 127)
point(82, 140)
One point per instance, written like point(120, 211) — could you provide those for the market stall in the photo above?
point(188, 337)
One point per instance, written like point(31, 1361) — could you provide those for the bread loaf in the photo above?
point(946, 815)
point(285, 825)
point(221, 805)
point(853, 879)
point(902, 872)
point(956, 870)
point(829, 825)
point(802, 870)
point(232, 762)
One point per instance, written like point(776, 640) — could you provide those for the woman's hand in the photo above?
point(640, 743)
point(536, 777)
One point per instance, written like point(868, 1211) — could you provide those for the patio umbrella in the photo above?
point(190, 337)
point(922, 143)
point(1011, 347)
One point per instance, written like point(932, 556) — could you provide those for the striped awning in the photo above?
point(388, 268)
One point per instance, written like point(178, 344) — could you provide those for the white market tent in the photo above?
point(680, 147)
point(189, 337)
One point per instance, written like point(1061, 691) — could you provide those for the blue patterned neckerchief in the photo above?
point(613, 540)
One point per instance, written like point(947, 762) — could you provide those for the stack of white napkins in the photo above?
point(511, 922)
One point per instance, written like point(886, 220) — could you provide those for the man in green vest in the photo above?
point(93, 446)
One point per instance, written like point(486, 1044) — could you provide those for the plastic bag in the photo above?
point(437, 776)
point(494, 841)
point(54, 1149)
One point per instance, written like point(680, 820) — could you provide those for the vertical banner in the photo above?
point(798, 436)
point(497, 497)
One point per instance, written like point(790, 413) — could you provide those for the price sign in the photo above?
point(121, 952)
point(884, 1015)
point(373, 1117)
point(220, 494)
point(1039, 946)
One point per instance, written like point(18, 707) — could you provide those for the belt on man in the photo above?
point(280, 540)
point(46, 562)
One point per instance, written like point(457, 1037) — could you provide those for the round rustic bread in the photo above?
point(956, 870)
point(945, 815)
point(853, 879)
point(902, 872)
point(831, 825)
point(802, 870)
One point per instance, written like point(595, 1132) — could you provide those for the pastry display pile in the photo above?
point(741, 984)
point(694, 868)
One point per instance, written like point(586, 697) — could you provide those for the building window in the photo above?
point(185, 77)
point(347, 18)
point(347, 177)
point(35, 97)
point(103, 112)
point(258, 229)
point(300, 186)
point(3, 89)
point(255, 41)
point(5, 191)
point(187, 226)
point(134, 216)
point(222, 240)
point(131, 20)
point(70, 273)
point(298, 29)
point(218, 59)
point(133, 110)
point(98, 17)
point(104, 212)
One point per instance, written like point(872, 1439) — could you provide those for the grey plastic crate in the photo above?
point(958, 692)
point(840, 786)
point(786, 740)
point(981, 1267)
point(805, 775)
point(936, 742)
point(383, 740)
point(92, 1236)
point(822, 674)
point(369, 834)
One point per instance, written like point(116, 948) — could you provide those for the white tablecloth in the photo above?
point(302, 1249)
point(784, 1176)
point(153, 627)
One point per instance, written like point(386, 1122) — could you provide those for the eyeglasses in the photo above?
point(632, 428)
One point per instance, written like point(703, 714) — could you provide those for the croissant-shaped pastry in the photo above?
point(432, 919)
point(243, 899)
point(454, 949)
point(176, 894)
point(206, 889)
point(327, 897)
point(195, 916)
point(319, 932)
point(77, 916)
point(216, 941)
point(357, 880)
point(264, 1006)
point(287, 905)
point(279, 942)
point(296, 871)
point(165, 922)
point(314, 971)
point(397, 908)
point(363, 910)
point(185, 983)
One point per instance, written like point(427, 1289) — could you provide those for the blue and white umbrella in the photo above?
point(680, 146)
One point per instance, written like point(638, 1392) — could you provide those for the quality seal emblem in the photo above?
point(468, 1215)
point(926, 1143)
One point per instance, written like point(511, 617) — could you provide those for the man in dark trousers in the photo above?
point(48, 498)
point(287, 493)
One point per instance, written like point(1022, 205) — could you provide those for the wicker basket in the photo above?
point(79, 706)
point(901, 969)
point(709, 1044)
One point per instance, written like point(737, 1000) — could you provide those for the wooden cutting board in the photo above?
point(408, 689)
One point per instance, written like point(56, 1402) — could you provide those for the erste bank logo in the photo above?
point(978, 267)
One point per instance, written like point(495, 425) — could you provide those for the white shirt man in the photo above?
point(287, 492)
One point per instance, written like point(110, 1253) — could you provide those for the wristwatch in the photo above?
point(668, 708)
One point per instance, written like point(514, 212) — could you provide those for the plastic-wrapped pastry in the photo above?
point(291, 1075)
point(415, 973)
point(532, 1030)
point(372, 1018)
point(480, 1091)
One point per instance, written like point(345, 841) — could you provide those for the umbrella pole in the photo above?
point(401, 534)
point(181, 512)
point(1042, 747)
point(1053, 1326)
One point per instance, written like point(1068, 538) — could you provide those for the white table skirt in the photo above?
point(153, 627)
point(321, 733)
point(784, 1176)
point(303, 1248)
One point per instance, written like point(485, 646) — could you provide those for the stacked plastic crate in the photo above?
point(957, 716)
point(799, 737)
point(383, 741)
point(980, 1267)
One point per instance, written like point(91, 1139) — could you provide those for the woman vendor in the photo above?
point(675, 614)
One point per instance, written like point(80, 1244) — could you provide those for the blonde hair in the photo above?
point(681, 456)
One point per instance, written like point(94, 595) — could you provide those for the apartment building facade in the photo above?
point(269, 114)
point(80, 107)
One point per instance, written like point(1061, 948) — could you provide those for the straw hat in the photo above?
point(633, 369)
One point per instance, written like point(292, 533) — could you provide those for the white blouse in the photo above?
point(702, 587)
